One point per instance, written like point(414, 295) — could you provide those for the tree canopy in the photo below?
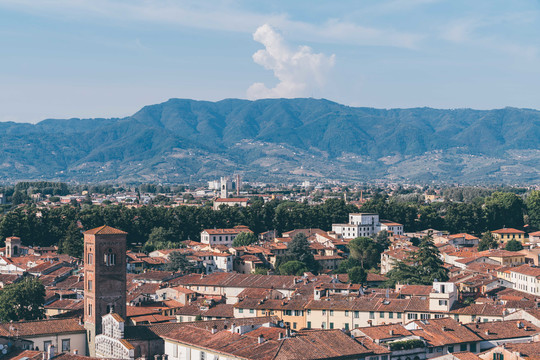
point(178, 262)
point(513, 245)
point(293, 267)
point(422, 267)
point(22, 301)
point(244, 239)
point(487, 242)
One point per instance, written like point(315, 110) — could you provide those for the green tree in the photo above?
point(488, 242)
point(513, 245)
point(533, 208)
point(346, 265)
point(504, 209)
point(366, 251)
point(244, 239)
point(22, 301)
point(72, 242)
point(178, 262)
point(357, 275)
point(299, 249)
point(422, 267)
point(293, 267)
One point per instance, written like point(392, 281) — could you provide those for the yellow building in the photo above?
point(508, 234)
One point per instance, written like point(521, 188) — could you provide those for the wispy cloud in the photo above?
point(299, 71)
point(217, 15)
point(475, 31)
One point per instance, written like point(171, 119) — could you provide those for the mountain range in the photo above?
point(275, 140)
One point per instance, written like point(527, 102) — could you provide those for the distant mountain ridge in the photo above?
point(278, 140)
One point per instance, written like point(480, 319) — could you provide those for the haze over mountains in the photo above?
point(277, 140)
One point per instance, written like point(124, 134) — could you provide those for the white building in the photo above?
point(365, 224)
point(526, 278)
point(222, 236)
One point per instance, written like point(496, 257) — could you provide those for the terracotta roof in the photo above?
point(509, 329)
point(41, 327)
point(444, 331)
point(508, 231)
point(526, 350)
point(465, 355)
point(105, 230)
point(383, 332)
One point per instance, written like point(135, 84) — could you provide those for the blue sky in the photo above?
point(103, 58)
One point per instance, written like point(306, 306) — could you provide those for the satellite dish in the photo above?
point(4, 351)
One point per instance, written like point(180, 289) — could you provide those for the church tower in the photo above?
point(104, 278)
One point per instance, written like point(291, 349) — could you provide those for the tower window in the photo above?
point(109, 258)
point(90, 258)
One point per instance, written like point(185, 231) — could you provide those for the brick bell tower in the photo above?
point(104, 278)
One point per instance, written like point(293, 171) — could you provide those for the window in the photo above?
point(324, 312)
point(331, 312)
point(110, 309)
point(498, 356)
point(90, 309)
point(65, 345)
point(294, 325)
point(288, 312)
point(356, 314)
point(90, 285)
point(109, 258)
point(412, 316)
point(381, 314)
point(398, 315)
point(346, 326)
point(251, 311)
point(90, 259)
point(372, 315)
point(309, 324)
point(443, 302)
point(203, 355)
point(346, 312)
point(323, 325)
point(241, 311)
point(390, 315)
point(175, 350)
point(463, 347)
point(450, 348)
point(309, 312)
point(331, 325)
point(424, 316)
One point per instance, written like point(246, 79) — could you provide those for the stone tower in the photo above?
point(13, 246)
point(224, 186)
point(104, 278)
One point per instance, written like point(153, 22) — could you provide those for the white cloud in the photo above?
point(300, 71)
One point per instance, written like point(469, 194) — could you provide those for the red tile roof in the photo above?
point(105, 230)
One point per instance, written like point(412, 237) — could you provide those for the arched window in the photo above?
point(109, 258)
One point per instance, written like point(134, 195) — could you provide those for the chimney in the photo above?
point(288, 332)
point(487, 332)
point(214, 329)
point(260, 339)
point(519, 324)
point(391, 332)
point(50, 352)
point(75, 352)
point(280, 336)
point(156, 357)
point(165, 357)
